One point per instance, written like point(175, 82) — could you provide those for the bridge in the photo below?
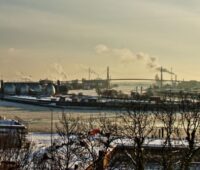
point(137, 79)
point(130, 79)
point(90, 71)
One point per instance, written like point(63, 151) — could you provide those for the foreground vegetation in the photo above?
point(100, 142)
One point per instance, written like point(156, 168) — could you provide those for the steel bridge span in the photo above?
point(132, 79)
point(141, 79)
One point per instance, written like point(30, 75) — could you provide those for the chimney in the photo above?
point(89, 71)
point(175, 79)
point(2, 86)
point(58, 87)
point(108, 78)
point(58, 82)
point(161, 77)
point(171, 76)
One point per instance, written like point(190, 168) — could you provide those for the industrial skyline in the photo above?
point(62, 39)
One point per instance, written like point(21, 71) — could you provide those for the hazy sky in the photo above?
point(62, 38)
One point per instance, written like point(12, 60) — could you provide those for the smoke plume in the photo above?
point(57, 72)
point(101, 48)
point(164, 70)
point(127, 56)
point(23, 76)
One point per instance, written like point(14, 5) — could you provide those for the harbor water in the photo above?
point(125, 87)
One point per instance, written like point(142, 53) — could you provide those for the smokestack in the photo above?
point(171, 76)
point(108, 78)
point(58, 82)
point(2, 84)
point(89, 71)
point(161, 77)
point(175, 79)
point(58, 87)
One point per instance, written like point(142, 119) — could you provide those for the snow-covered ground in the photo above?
point(45, 138)
point(42, 138)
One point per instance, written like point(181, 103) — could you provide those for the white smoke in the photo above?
point(127, 56)
point(101, 48)
point(11, 50)
point(56, 72)
point(85, 70)
point(22, 76)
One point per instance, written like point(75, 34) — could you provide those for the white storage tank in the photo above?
point(9, 89)
point(24, 89)
point(50, 90)
point(36, 89)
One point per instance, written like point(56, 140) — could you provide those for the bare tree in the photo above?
point(97, 135)
point(66, 151)
point(69, 151)
point(92, 143)
point(167, 117)
point(110, 128)
point(190, 122)
point(138, 126)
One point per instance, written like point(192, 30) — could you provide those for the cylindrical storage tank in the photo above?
point(9, 89)
point(24, 89)
point(50, 90)
point(37, 88)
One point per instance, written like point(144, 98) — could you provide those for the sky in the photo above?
point(61, 39)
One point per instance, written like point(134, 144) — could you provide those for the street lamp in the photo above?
point(51, 139)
